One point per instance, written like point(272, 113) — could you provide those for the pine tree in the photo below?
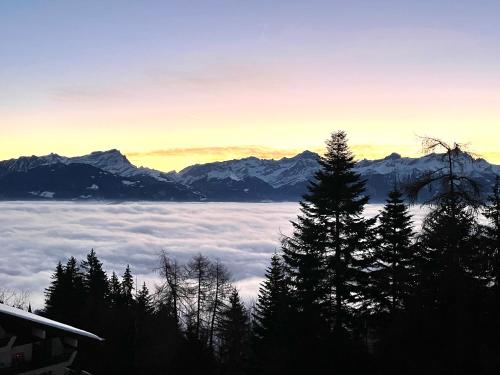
point(73, 291)
point(144, 306)
point(325, 261)
point(271, 321)
point(306, 262)
point(127, 286)
point(450, 278)
point(115, 291)
point(323, 256)
point(54, 294)
point(95, 279)
point(234, 336)
point(392, 261)
point(450, 235)
point(273, 300)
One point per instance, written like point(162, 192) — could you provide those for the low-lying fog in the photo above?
point(34, 236)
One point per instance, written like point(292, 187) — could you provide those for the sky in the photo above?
point(173, 83)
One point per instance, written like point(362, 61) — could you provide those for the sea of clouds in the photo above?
point(34, 236)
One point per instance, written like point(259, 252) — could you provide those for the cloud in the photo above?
point(209, 76)
point(36, 235)
point(216, 74)
point(221, 153)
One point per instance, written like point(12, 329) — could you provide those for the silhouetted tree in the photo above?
point(325, 254)
point(198, 271)
point(73, 289)
point(453, 185)
point(173, 292)
point(220, 288)
point(234, 337)
point(450, 280)
point(271, 322)
point(392, 262)
point(95, 279)
point(55, 295)
point(127, 286)
point(144, 306)
point(115, 291)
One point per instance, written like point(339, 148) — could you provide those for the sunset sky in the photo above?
point(172, 83)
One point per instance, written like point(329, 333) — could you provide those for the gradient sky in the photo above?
point(171, 83)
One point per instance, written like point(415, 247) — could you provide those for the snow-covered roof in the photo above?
point(21, 314)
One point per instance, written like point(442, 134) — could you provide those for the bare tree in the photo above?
point(199, 274)
point(174, 290)
point(15, 298)
point(455, 187)
point(221, 289)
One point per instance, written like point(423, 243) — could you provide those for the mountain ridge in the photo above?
point(246, 179)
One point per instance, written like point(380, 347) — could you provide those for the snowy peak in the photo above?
point(301, 168)
point(112, 161)
point(25, 163)
point(405, 167)
point(306, 155)
point(393, 156)
point(247, 179)
point(277, 173)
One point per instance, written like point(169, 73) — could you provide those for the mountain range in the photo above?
point(109, 175)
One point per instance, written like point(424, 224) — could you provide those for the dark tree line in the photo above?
point(195, 321)
point(372, 295)
point(345, 294)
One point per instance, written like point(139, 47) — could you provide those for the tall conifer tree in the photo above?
point(393, 261)
point(54, 294)
point(271, 321)
point(95, 279)
point(325, 260)
point(450, 280)
point(323, 256)
point(115, 291)
point(234, 336)
point(128, 286)
point(144, 306)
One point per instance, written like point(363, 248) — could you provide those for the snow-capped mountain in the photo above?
point(99, 175)
point(25, 163)
point(277, 173)
point(382, 174)
point(287, 178)
point(112, 161)
point(110, 175)
point(405, 167)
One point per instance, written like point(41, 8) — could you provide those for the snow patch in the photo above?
point(43, 194)
point(129, 183)
point(21, 314)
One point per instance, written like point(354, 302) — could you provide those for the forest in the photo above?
point(343, 294)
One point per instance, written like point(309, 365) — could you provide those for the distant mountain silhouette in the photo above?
point(110, 175)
